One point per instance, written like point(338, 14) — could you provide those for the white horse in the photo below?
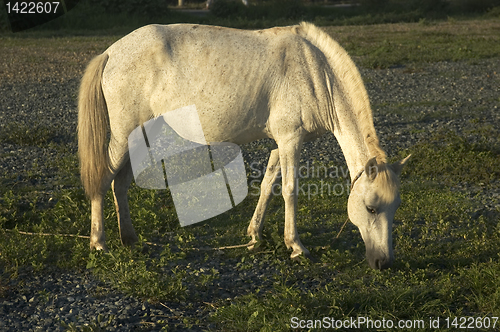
point(291, 84)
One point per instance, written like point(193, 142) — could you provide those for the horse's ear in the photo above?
point(371, 168)
point(398, 165)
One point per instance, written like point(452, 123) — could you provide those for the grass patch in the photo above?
point(386, 45)
point(446, 256)
point(449, 158)
point(126, 269)
point(444, 268)
point(28, 135)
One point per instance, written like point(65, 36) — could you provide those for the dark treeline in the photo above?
point(112, 16)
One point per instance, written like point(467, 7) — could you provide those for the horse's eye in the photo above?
point(371, 209)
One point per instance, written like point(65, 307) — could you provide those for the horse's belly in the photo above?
point(225, 123)
point(228, 127)
point(231, 110)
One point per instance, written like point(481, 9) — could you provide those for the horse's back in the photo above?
point(232, 76)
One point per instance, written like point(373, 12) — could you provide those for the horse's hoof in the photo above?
point(145, 248)
point(302, 257)
point(99, 247)
point(129, 241)
point(255, 246)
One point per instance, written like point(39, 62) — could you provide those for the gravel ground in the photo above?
point(410, 103)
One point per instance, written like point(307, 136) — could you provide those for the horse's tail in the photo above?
point(93, 123)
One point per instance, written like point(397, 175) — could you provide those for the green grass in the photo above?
point(447, 257)
point(460, 160)
point(28, 135)
point(447, 262)
point(388, 45)
point(446, 245)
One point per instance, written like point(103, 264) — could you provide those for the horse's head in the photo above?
point(373, 201)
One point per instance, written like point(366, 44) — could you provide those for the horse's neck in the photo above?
point(351, 121)
point(352, 144)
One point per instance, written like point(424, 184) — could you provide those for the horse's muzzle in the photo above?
point(379, 260)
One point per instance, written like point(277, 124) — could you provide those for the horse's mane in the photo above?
point(345, 69)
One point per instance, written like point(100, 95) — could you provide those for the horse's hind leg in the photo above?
point(273, 169)
point(117, 153)
point(120, 187)
point(97, 234)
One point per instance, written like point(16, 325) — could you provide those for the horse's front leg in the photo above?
point(289, 153)
point(120, 186)
point(266, 191)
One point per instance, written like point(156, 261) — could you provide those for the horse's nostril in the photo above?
point(383, 264)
